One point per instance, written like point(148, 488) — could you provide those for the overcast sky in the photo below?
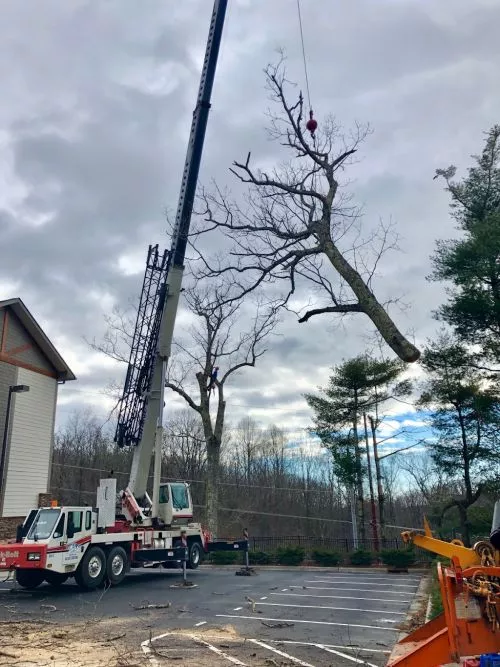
point(97, 98)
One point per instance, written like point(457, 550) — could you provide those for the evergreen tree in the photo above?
point(356, 386)
point(472, 263)
point(465, 415)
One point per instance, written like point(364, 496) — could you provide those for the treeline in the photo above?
point(264, 486)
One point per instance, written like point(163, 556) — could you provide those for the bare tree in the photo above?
point(225, 334)
point(221, 335)
point(298, 224)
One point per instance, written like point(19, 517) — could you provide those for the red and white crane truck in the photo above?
point(97, 544)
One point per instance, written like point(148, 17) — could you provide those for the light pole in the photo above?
point(13, 389)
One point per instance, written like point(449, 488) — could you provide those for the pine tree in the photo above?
point(356, 386)
point(472, 263)
point(464, 409)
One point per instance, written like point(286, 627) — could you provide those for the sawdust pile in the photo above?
point(30, 644)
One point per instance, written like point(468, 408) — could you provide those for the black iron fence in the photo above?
point(270, 544)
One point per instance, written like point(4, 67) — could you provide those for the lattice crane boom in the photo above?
point(141, 406)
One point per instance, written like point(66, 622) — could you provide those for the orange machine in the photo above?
point(470, 589)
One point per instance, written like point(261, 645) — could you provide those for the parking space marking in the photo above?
point(347, 657)
point(312, 606)
point(264, 598)
point(339, 597)
point(339, 581)
point(237, 608)
point(148, 651)
point(284, 589)
point(341, 575)
point(281, 653)
point(409, 595)
point(197, 625)
point(344, 648)
point(294, 620)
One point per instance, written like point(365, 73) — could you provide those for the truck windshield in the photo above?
point(43, 525)
point(180, 499)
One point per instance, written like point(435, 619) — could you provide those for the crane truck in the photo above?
point(132, 529)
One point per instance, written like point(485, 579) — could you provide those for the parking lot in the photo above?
point(313, 618)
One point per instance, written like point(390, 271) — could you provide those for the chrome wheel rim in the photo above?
point(95, 567)
point(117, 565)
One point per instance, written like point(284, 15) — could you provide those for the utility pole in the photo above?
point(370, 483)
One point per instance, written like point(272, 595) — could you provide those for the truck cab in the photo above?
point(49, 544)
point(175, 504)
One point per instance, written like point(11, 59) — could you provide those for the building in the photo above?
point(27, 357)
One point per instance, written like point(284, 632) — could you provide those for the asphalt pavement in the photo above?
point(313, 618)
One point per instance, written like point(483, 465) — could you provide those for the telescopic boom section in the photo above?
point(152, 433)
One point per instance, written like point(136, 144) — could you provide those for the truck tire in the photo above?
point(116, 565)
point(29, 578)
point(55, 579)
point(92, 569)
point(195, 555)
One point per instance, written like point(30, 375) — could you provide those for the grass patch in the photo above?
point(435, 594)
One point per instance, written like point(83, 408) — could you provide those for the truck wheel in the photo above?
point(116, 565)
point(28, 578)
point(195, 555)
point(55, 579)
point(92, 569)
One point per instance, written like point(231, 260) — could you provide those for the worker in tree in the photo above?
point(213, 380)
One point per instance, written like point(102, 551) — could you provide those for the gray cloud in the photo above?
point(96, 106)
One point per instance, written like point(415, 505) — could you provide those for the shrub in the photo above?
point(224, 557)
point(361, 557)
point(326, 558)
point(400, 558)
point(259, 558)
point(290, 555)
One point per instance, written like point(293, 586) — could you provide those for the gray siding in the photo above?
point(30, 444)
point(8, 377)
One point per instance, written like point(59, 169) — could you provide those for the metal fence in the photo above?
point(341, 545)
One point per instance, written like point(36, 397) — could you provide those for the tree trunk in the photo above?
point(369, 304)
point(464, 524)
point(370, 484)
point(380, 486)
point(359, 475)
point(212, 487)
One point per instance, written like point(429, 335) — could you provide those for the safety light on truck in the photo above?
point(34, 555)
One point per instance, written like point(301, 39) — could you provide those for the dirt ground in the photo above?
point(44, 644)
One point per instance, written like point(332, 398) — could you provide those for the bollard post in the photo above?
point(184, 566)
point(247, 552)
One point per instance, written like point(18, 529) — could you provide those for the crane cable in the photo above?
point(304, 55)
point(311, 124)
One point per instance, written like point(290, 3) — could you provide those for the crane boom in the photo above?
point(147, 395)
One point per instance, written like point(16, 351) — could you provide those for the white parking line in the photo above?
point(281, 653)
point(264, 598)
point(409, 595)
point(340, 597)
point(237, 608)
point(340, 575)
point(312, 606)
point(337, 581)
point(344, 648)
point(197, 625)
point(295, 620)
point(347, 657)
point(148, 651)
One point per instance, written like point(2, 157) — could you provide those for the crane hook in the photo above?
point(312, 124)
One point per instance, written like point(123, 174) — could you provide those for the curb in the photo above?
point(421, 593)
point(316, 568)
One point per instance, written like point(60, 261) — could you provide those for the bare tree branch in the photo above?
point(295, 224)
